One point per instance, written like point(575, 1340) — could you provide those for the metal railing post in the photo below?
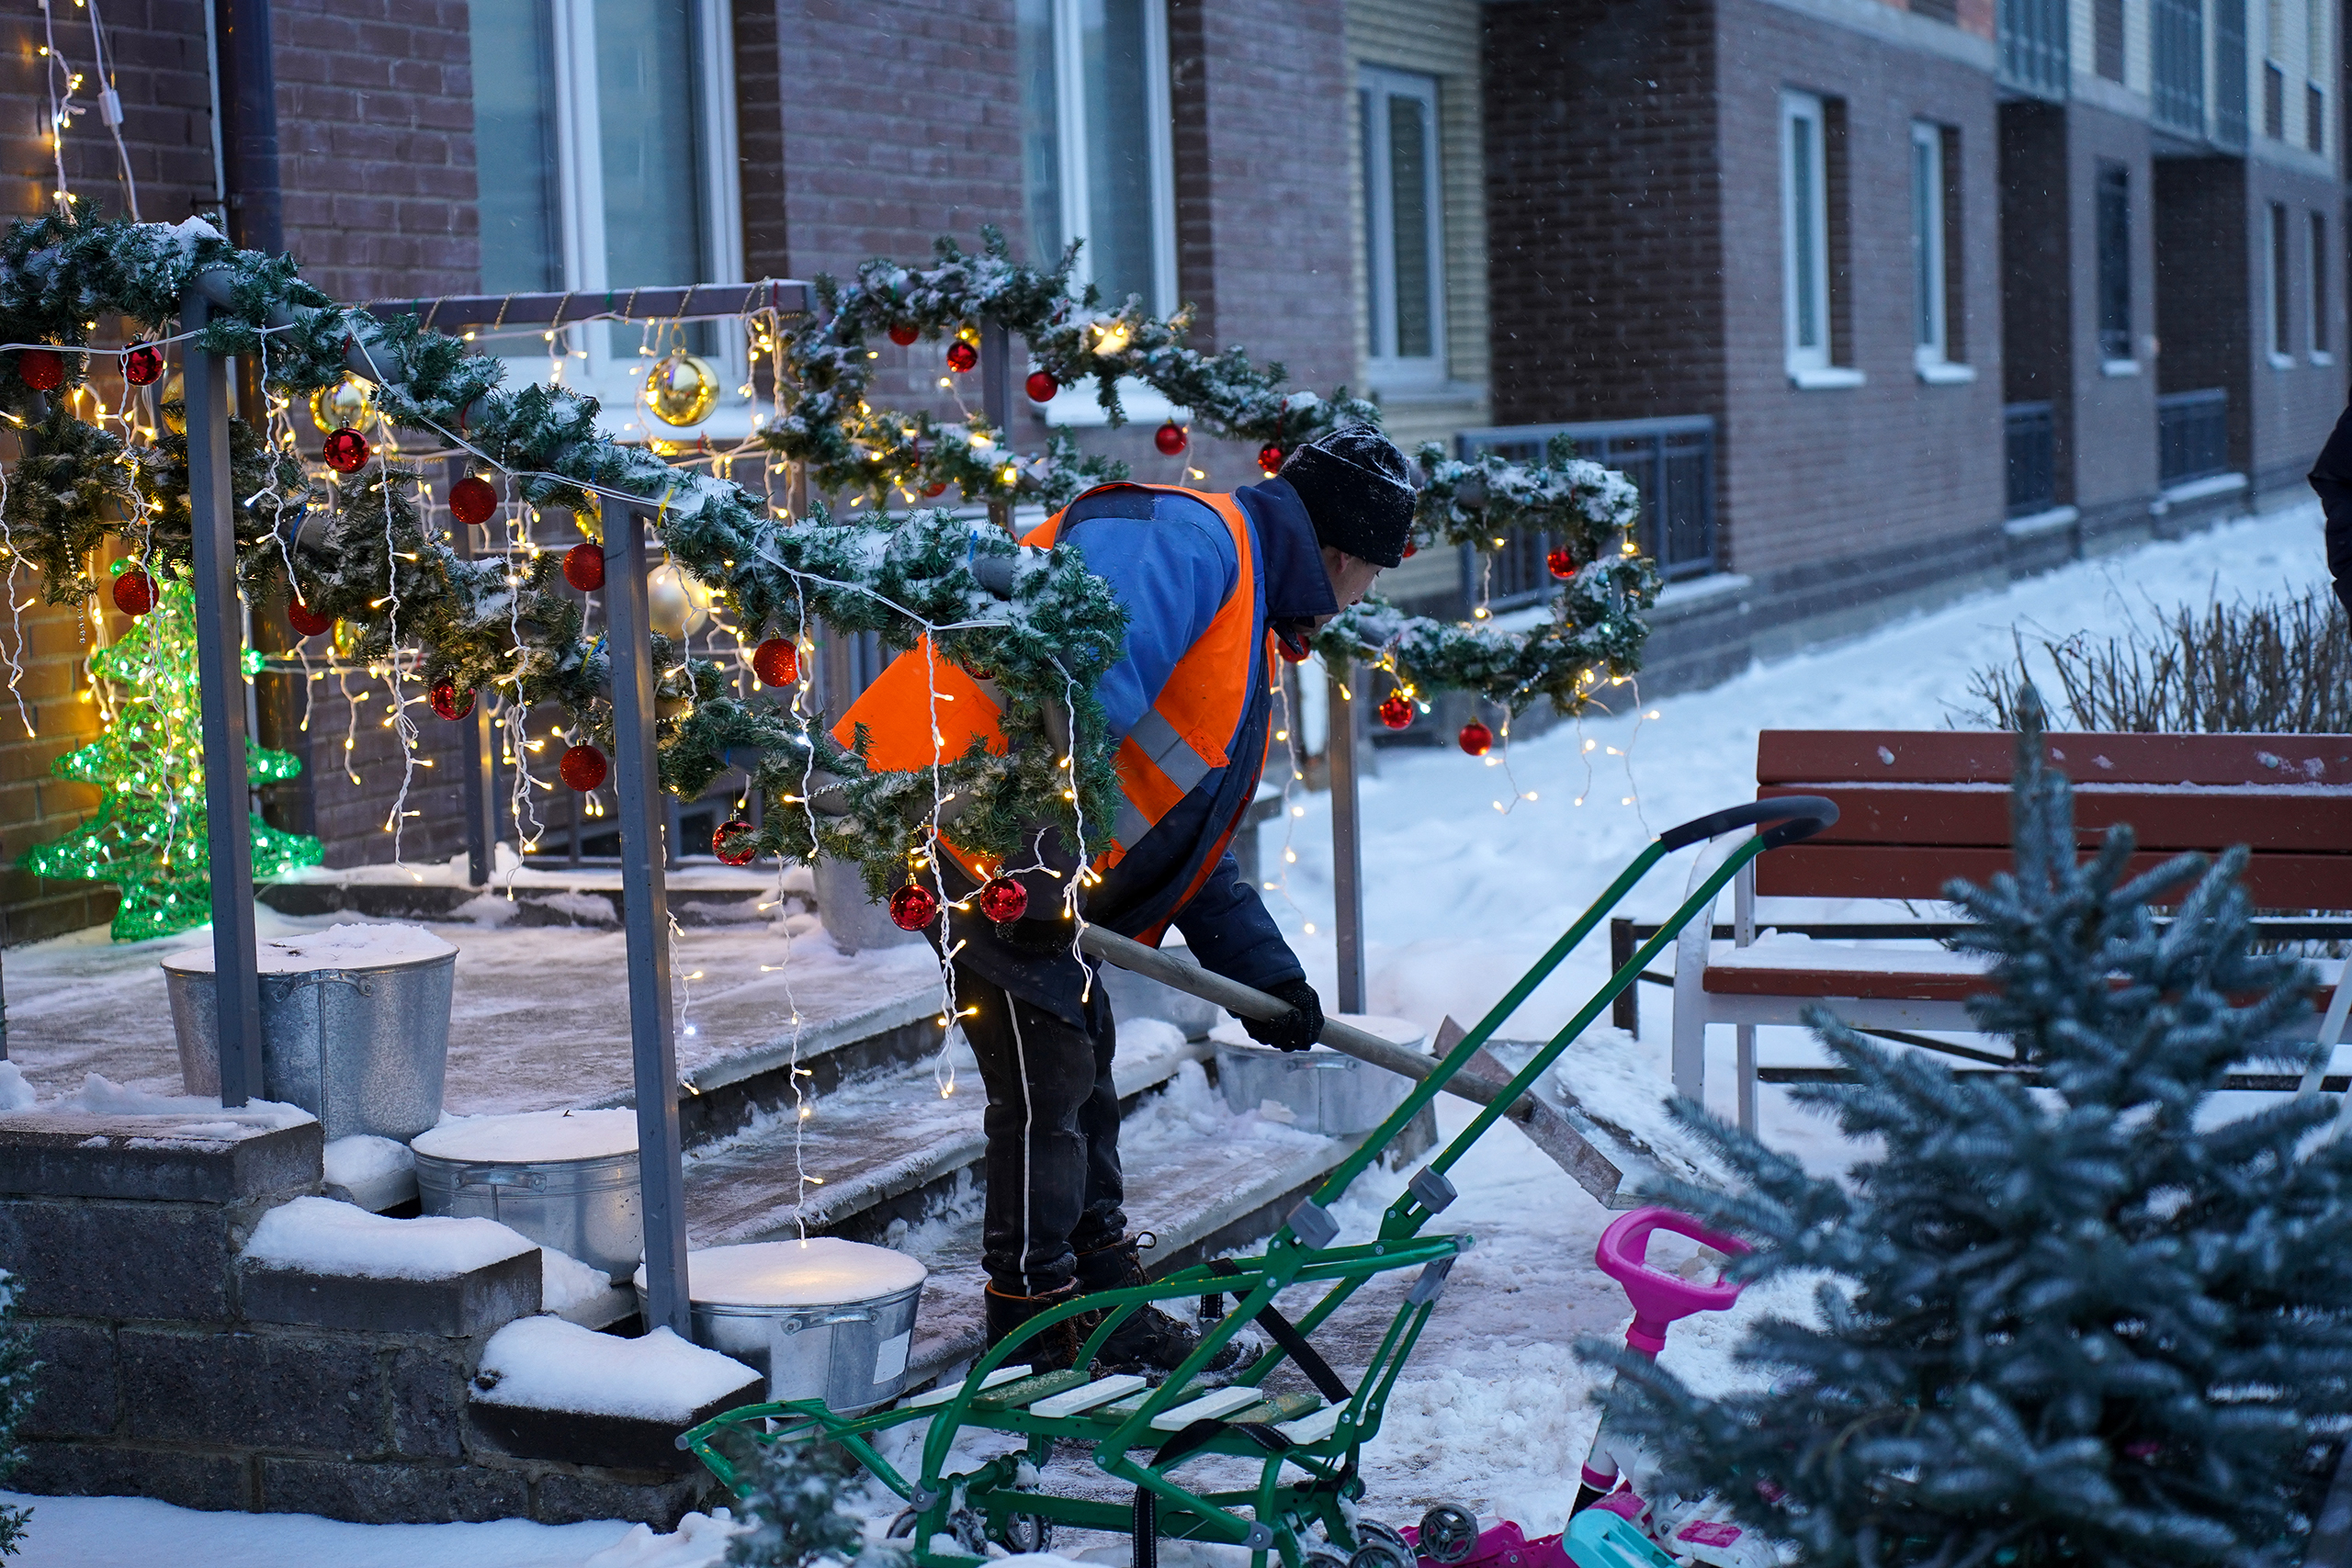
point(481, 771)
point(1346, 843)
point(996, 405)
point(646, 912)
point(220, 683)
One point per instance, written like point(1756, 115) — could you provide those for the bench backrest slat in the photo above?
point(1920, 807)
point(1961, 756)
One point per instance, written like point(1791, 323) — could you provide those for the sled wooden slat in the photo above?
point(946, 1392)
point(1281, 1408)
point(1210, 1405)
point(1077, 1401)
point(1010, 1395)
point(1313, 1428)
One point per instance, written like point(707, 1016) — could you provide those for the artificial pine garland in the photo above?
point(1042, 626)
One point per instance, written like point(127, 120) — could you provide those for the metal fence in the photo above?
point(2179, 80)
point(2192, 435)
point(2033, 53)
point(1671, 462)
point(2033, 441)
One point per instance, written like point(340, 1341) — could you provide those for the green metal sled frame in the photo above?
point(1307, 1449)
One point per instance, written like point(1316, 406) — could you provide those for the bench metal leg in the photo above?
point(1746, 1034)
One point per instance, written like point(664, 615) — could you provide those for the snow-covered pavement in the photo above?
point(1460, 897)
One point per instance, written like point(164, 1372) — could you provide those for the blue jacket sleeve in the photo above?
point(1227, 928)
point(1172, 570)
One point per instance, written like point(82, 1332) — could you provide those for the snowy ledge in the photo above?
point(545, 1363)
point(320, 1235)
point(2034, 525)
point(2198, 490)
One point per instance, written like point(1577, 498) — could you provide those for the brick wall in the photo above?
point(1899, 479)
point(375, 132)
point(157, 49)
point(2114, 465)
point(1604, 190)
point(2295, 405)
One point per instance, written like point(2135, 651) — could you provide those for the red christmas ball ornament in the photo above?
point(904, 332)
point(1477, 738)
point(135, 593)
point(1170, 438)
point(1004, 899)
point(1042, 387)
point(582, 767)
point(1396, 711)
point(450, 703)
point(913, 908)
point(1562, 564)
point(734, 842)
point(936, 488)
point(1270, 458)
point(42, 369)
point(345, 451)
point(305, 620)
point(472, 500)
point(583, 566)
point(1292, 652)
point(142, 365)
point(1412, 548)
point(776, 661)
point(962, 356)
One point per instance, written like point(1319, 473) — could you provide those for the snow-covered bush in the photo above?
point(791, 1495)
point(17, 1368)
point(2264, 667)
point(2098, 1319)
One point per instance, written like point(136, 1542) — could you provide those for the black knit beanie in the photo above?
point(1357, 490)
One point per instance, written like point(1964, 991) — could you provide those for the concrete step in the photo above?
point(887, 1152)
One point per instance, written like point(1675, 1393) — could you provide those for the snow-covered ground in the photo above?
point(1460, 896)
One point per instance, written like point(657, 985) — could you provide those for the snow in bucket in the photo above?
point(530, 1136)
point(546, 1363)
point(821, 1271)
point(340, 946)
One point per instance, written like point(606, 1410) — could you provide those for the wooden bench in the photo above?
point(1918, 808)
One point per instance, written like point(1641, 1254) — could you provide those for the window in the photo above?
point(2321, 350)
point(2114, 223)
point(2274, 102)
point(1804, 210)
point(1098, 164)
point(604, 148)
point(1404, 242)
point(1930, 300)
point(2314, 117)
point(2106, 38)
point(2280, 302)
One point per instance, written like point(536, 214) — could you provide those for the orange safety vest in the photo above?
point(1177, 746)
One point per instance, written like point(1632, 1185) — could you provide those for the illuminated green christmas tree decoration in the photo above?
point(148, 766)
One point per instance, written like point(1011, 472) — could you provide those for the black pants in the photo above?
point(1054, 1188)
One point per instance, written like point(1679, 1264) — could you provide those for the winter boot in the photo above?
point(1050, 1349)
point(1149, 1340)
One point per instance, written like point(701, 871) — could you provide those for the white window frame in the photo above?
point(2277, 230)
point(1069, 115)
point(2320, 325)
point(1930, 260)
point(1809, 364)
point(1384, 366)
point(592, 366)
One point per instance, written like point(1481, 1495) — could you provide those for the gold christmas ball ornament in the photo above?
point(590, 520)
point(676, 604)
point(680, 391)
point(173, 390)
point(346, 404)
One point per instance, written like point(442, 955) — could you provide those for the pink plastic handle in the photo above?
point(1659, 1298)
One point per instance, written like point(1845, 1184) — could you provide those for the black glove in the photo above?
point(1296, 1028)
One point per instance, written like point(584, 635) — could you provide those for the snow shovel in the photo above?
point(1546, 1125)
point(1304, 1447)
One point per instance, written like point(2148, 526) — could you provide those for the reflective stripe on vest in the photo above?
point(1179, 741)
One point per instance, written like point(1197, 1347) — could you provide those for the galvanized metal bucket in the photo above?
point(501, 1167)
point(1324, 1091)
point(1136, 996)
point(363, 1049)
point(850, 916)
point(850, 1352)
